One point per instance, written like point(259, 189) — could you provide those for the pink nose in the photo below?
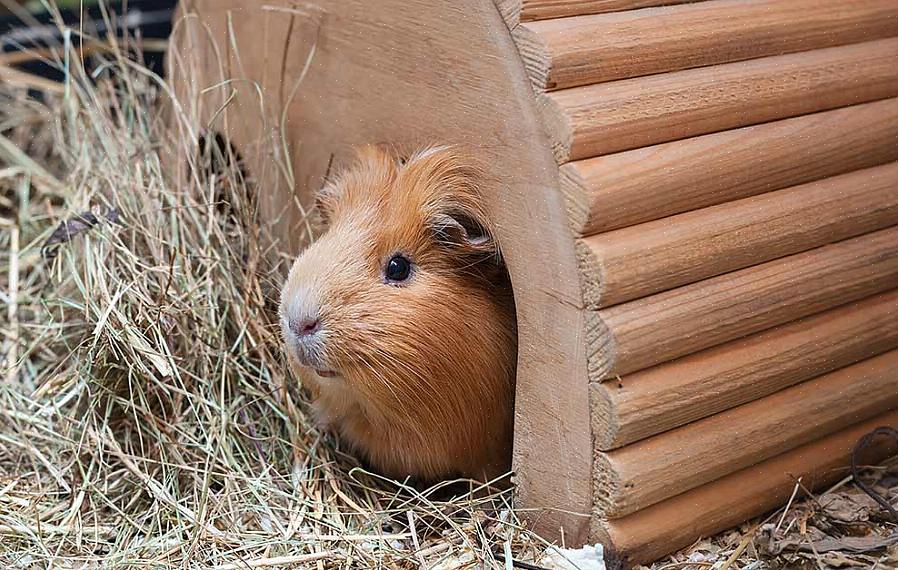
point(305, 326)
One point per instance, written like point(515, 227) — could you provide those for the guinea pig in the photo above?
point(400, 318)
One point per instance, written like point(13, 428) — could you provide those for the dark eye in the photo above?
point(398, 268)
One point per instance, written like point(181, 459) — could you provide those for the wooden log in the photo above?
point(642, 474)
point(656, 256)
point(530, 10)
point(645, 184)
point(675, 323)
point(677, 522)
point(583, 50)
point(674, 394)
point(631, 113)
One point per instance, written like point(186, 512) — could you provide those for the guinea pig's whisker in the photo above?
point(396, 362)
point(413, 389)
point(386, 384)
point(400, 379)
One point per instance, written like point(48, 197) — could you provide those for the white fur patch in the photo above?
point(424, 153)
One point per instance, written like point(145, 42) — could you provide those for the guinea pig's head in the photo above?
point(401, 320)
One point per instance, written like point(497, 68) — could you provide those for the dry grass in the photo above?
point(146, 415)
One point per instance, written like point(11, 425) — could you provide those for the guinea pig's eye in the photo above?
point(398, 268)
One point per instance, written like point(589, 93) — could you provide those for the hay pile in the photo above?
point(146, 414)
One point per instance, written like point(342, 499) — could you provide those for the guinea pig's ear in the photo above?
point(462, 229)
point(324, 199)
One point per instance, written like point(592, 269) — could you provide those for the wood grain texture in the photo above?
point(675, 323)
point(640, 474)
point(630, 113)
point(544, 9)
point(583, 50)
point(645, 184)
point(656, 256)
point(727, 502)
point(671, 395)
point(381, 71)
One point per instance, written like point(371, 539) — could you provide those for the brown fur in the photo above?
point(426, 368)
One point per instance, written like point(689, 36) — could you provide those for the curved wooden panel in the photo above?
point(676, 523)
point(656, 256)
point(583, 50)
point(379, 73)
point(668, 325)
point(610, 117)
point(670, 395)
point(623, 189)
point(639, 474)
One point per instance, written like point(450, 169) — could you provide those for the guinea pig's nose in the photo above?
point(305, 326)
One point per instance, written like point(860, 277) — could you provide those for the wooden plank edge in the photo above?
point(600, 348)
point(655, 469)
point(688, 389)
point(592, 281)
point(578, 198)
point(558, 128)
point(534, 10)
point(534, 55)
point(510, 10)
point(598, 48)
point(657, 256)
point(666, 527)
point(609, 192)
point(605, 118)
point(600, 354)
point(695, 317)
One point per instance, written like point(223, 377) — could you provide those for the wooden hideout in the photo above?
point(697, 202)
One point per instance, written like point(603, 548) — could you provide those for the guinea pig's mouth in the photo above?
point(325, 373)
